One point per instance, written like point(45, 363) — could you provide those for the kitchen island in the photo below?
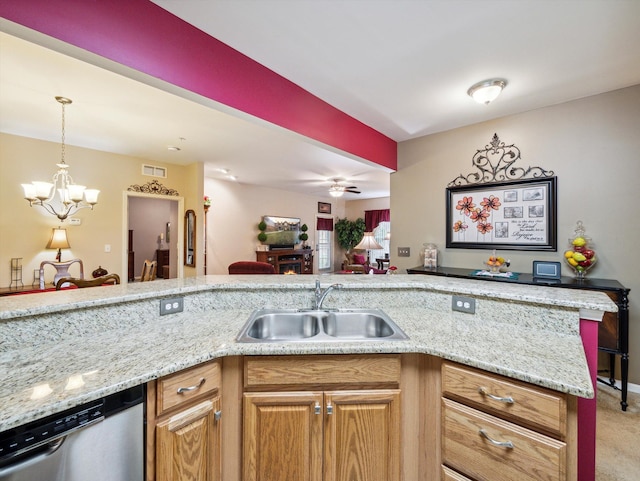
point(114, 337)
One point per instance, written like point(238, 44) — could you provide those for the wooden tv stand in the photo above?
point(298, 261)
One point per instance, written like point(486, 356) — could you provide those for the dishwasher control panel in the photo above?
point(16, 441)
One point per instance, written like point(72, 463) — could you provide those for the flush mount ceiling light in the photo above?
point(487, 91)
point(72, 197)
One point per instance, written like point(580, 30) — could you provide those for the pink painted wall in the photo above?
point(587, 407)
point(141, 35)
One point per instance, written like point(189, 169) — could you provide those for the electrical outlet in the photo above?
point(171, 306)
point(404, 251)
point(463, 304)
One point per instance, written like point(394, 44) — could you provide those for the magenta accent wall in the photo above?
point(141, 35)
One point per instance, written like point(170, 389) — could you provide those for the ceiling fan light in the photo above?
point(486, 91)
point(335, 192)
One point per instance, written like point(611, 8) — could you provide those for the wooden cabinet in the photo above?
point(308, 430)
point(495, 428)
point(162, 256)
point(184, 425)
point(288, 261)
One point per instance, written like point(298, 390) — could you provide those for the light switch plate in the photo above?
point(404, 251)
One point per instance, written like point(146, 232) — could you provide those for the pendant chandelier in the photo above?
point(63, 197)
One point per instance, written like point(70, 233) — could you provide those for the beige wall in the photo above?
point(591, 144)
point(25, 231)
point(356, 208)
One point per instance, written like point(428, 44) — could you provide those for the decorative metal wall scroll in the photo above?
point(502, 206)
point(495, 163)
point(153, 187)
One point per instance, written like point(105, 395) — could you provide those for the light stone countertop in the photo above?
point(114, 337)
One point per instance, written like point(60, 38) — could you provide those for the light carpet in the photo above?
point(617, 436)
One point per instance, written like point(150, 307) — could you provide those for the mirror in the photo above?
point(190, 238)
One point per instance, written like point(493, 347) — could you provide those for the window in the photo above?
point(323, 246)
point(381, 234)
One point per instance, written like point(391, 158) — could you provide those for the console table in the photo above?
point(613, 331)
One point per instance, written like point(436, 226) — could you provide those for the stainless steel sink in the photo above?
point(281, 326)
point(290, 325)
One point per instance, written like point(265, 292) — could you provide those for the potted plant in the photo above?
point(262, 226)
point(349, 232)
point(304, 236)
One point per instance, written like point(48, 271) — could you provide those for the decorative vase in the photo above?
point(99, 272)
point(580, 256)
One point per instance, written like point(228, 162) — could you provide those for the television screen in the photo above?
point(282, 232)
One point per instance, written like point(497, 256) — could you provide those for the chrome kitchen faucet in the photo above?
point(320, 294)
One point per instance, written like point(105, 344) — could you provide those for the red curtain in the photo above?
point(373, 217)
point(324, 224)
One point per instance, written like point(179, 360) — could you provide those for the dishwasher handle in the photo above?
point(25, 459)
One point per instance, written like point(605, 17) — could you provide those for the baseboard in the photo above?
point(630, 386)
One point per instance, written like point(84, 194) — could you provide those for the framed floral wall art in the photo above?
point(516, 215)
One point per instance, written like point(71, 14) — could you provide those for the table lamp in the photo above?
point(368, 242)
point(58, 241)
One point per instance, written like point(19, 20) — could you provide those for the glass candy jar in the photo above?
point(580, 256)
point(430, 256)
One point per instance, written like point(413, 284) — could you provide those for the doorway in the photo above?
point(152, 230)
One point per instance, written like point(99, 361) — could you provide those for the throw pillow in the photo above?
point(359, 259)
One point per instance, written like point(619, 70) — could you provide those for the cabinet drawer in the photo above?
point(183, 386)
point(532, 406)
point(451, 475)
point(532, 456)
point(266, 371)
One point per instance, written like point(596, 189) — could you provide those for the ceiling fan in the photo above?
point(337, 190)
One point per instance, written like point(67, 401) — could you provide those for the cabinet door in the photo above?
point(282, 438)
point(362, 435)
point(188, 444)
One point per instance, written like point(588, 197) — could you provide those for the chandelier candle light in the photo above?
point(72, 197)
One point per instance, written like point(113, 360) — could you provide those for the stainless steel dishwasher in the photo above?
point(102, 440)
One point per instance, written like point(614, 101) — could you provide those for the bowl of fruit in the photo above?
point(495, 263)
point(580, 256)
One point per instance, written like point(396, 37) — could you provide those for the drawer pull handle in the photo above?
point(484, 392)
point(502, 444)
point(217, 415)
point(317, 409)
point(329, 409)
point(182, 390)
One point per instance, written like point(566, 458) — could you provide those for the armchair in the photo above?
point(356, 261)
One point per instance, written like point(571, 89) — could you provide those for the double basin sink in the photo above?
point(295, 325)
